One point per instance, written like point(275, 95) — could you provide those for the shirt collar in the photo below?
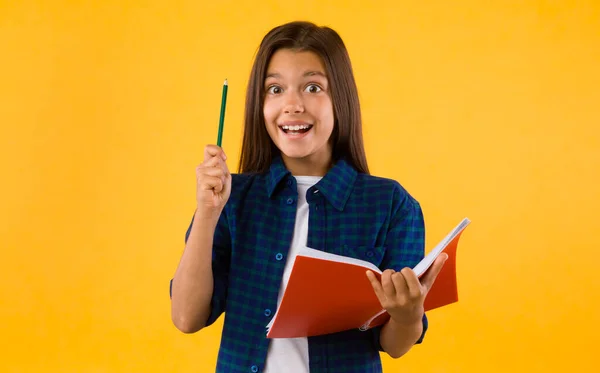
point(336, 186)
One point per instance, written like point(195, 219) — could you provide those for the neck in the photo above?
point(307, 166)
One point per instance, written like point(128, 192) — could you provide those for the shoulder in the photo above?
point(242, 180)
point(247, 185)
point(384, 188)
point(392, 200)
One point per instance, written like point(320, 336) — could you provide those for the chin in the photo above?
point(295, 154)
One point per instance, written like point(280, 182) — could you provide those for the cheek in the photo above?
point(269, 112)
point(327, 115)
point(270, 117)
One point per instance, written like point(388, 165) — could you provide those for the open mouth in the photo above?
point(297, 129)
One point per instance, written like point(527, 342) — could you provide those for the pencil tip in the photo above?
point(225, 81)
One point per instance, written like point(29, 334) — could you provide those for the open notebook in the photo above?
point(328, 293)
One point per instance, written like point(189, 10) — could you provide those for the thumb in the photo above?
point(434, 271)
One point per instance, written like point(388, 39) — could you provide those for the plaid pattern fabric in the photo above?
point(350, 214)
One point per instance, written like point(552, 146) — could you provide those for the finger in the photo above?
point(223, 172)
point(412, 282)
point(223, 165)
point(208, 168)
point(212, 183)
point(399, 283)
point(376, 286)
point(214, 151)
point(386, 283)
point(227, 183)
point(212, 171)
point(429, 277)
point(213, 163)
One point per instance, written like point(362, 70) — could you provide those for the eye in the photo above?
point(313, 88)
point(274, 90)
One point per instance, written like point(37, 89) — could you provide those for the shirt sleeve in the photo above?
point(405, 243)
point(221, 257)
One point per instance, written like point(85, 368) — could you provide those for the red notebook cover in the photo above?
point(329, 293)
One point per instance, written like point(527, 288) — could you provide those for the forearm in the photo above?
point(398, 339)
point(192, 287)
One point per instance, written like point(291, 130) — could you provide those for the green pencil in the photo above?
point(222, 117)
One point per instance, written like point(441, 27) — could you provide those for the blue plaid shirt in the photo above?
point(350, 214)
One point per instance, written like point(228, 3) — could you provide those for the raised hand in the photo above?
point(213, 183)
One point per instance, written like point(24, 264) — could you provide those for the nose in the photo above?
point(293, 103)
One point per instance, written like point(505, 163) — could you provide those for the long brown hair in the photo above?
point(258, 150)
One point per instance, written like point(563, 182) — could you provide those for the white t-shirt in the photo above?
point(290, 355)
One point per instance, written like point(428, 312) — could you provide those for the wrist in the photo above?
point(208, 218)
point(397, 338)
point(407, 327)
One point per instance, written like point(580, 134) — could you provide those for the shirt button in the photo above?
point(254, 368)
point(267, 312)
point(279, 256)
point(290, 201)
point(369, 253)
point(289, 182)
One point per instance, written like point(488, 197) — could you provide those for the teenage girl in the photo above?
point(303, 180)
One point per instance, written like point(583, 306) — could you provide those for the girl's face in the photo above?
point(298, 110)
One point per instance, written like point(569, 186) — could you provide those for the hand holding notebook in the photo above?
point(401, 294)
point(329, 293)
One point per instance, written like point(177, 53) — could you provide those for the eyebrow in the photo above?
point(308, 73)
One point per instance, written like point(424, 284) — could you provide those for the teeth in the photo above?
point(295, 128)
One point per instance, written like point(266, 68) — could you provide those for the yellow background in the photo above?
point(489, 110)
